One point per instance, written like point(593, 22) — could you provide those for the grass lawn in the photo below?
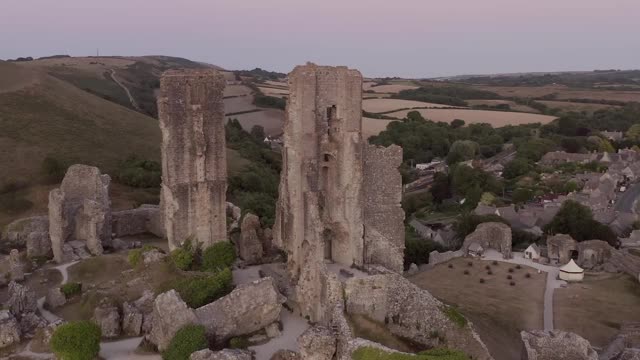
point(498, 310)
point(597, 307)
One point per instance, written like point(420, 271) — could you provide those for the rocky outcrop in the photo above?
point(553, 345)
point(492, 235)
point(226, 354)
point(131, 320)
point(286, 355)
point(194, 167)
point(107, 317)
point(80, 210)
point(412, 313)
point(152, 256)
point(317, 343)
point(137, 221)
point(17, 265)
point(170, 314)
point(250, 243)
point(22, 300)
point(55, 298)
point(18, 233)
point(9, 329)
point(145, 306)
point(234, 213)
point(247, 309)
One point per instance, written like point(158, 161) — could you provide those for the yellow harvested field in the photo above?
point(384, 105)
point(372, 127)
point(237, 104)
point(368, 96)
point(512, 104)
point(394, 89)
point(573, 106)
point(562, 92)
point(272, 120)
point(269, 91)
point(495, 118)
point(277, 84)
point(236, 90)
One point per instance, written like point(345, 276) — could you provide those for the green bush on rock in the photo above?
point(187, 340)
point(218, 256)
point(76, 341)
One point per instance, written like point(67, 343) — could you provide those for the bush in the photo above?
point(187, 340)
point(509, 277)
point(455, 316)
point(76, 341)
point(513, 283)
point(488, 267)
point(370, 353)
point(495, 263)
point(416, 249)
point(201, 290)
point(139, 173)
point(469, 264)
point(218, 256)
point(518, 267)
point(134, 257)
point(489, 272)
point(450, 266)
point(527, 275)
point(182, 258)
point(481, 281)
point(510, 270)
point(239, 342)
point(71, 289)
point(466, 272)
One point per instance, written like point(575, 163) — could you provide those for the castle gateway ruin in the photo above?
point(194, 167)
point(339, 196)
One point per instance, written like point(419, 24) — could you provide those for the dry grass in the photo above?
point(578, 107)
point(597, 307)
point(280, 84)
point(277, 92)
point(562, 92)
point(16, 77)
point(237, 104)
point(498, 311)
point(495, 118)
point(236, 90)
point(271, 119)
point(366, 328)
point(513, 105)
point(391, 88)
point(371, 127)
point(385, 105)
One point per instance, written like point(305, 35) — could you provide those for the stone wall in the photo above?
point(492, 235)
point(144, 219)
point(194, 167)
point(436, 257)
point(80, 210)
point(383, 214)
point(20, 233)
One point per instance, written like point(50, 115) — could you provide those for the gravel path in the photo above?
point(552, 280)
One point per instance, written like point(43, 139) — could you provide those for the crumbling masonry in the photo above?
point(194, 167)
point(339, 197)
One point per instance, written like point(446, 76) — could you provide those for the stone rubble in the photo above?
point(170, 314)
point(553, 345)
point(317, 343)
point(9, 329)
point(249, 244)
point(226, 354)
point(107, 316)
point(55, 298)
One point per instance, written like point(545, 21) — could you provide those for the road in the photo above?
point(626, 202)
point(552, 280)
point(131, 99)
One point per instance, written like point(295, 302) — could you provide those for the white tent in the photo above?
point(571, 272)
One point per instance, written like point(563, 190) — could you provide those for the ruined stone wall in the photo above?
point(137, 221)
point(194, 168)
point(322, 156)
point(383, 214)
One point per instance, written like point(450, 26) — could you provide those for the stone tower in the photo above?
point(339, 197)
point(194, 168)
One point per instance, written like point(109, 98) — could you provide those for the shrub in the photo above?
point(76, 341)
point(509, 277)
point(187, 340)
point(488, 267)
point(527, 275)
point(201, 290)
point(139, 173)
point(455, 316)
point(182, 258)
point(513, 283)
point(370, 353)
point(450, 266)
point(469, 264)
point(134, 257)
point(510, 270)
point(518, 267)
point(239, 342)
point(466, 272)
point(481, 281)
point(71, 289)
point(495, 263)
point(489, 272)
point(218, 256)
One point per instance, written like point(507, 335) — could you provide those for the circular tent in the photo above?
point(571, 272)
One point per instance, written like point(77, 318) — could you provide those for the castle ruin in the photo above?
point(194, 167)
point(339, 196)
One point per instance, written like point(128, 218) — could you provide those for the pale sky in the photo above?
point(410, 38)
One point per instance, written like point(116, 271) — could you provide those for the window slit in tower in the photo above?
point(331, 115)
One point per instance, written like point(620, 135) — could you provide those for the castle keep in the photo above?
point(194, 167)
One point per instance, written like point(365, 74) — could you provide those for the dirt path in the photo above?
point(552, 280)
point(131, 99)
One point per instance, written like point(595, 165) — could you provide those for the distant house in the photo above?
point(571, 272)
point(532, 252)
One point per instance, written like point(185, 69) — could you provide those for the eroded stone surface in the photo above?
point(411, 313)
point(17, 265)
point(492, 235)
point(247, 309)
point(131, 320)
point(17, 233)
point(560, 247)
point(553, 345)
point(317, 343)
point(107, 317)
point(9, 330)
point(194, 167)
point(170, 314)
point(55, 298)
point(250, 243)
point(137, 221)
point(226, 354)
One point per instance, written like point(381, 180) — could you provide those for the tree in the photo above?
point(634, 132)
point(577, 220)
point(522, 195)
point(457, 123)
point(515, 168)
point(462, 150)
point(441, 188)
point(257, 131)
point(417, 250)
